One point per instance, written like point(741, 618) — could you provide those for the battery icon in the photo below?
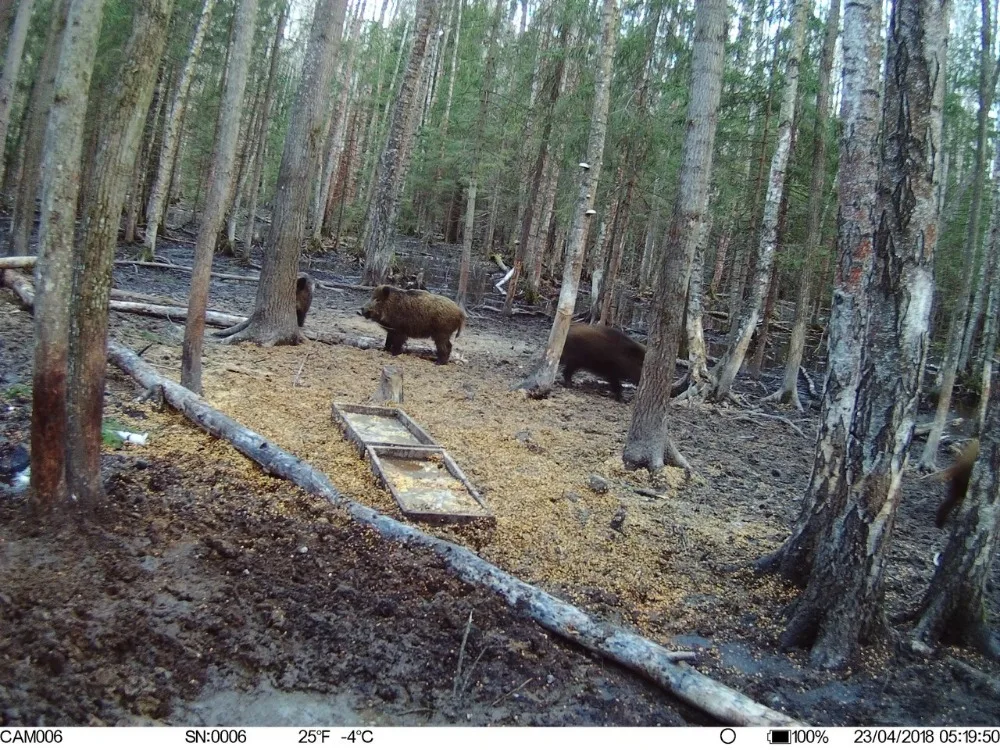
point(779, 737)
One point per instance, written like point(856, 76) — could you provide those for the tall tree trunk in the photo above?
point(11, 68)
point(648, 440)
point(219, 192)
point(539, 383)
point(120, 132)
point(729, 364)
point(172, 134)
point(841, 605)
point(954, 607)
point(789, 392)
point(265, 121)
point(39, 104)
point(956, 331)
point(479, 135)
point(273, 319)
point(54, 269)
point(394, 159)
point(614, 264)
point(697, 350)
point(857, 179)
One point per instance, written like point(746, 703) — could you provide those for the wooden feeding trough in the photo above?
point(427, 484)
point(366, 426)
point(424, 480)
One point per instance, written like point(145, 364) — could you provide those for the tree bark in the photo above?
point(39, 105)
point(956, 331)
point(11, 68)
point(648, 437)
point(730, 363)
point(172, 134)
point(273, 319)
point(841, 606)
point(54, 269)
point(857, 180)
point(219, 192)
point(265, 121)
point(119, 139)
point(954, 606)
point(539, 383)
point(394, 160)
point(789, 391)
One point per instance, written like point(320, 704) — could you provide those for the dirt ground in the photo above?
point(209, 593)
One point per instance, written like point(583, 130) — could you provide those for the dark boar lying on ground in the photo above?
point(957, 476)
point(414, 314)
point(607, 353)
point(304, 288)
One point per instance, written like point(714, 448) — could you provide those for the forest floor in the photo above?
point(209, 593)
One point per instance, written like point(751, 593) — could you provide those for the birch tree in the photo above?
point(539, 383)
point(841, 606)
point(730, 363)
point(648, 438)
point(789, 391)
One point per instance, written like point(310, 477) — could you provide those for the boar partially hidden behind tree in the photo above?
point(957, 476)
point(605, 352)
point(304, 288)
point(416, 314)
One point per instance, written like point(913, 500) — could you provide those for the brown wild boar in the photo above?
point(416, 314)
point(957, 476)
point(605, 352)
point(304, 288)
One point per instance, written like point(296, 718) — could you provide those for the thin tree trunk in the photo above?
point(54, 268)
point(729, 365)
point(273, 319)
point(172, 134)
point(39, 105)
point(956, 331)
point(119, 139)
point(11, 68)
point(394, 160)
point(539, 383)
point(219, 192)
point(789, 391)
point(265, 121)
point(648, 442)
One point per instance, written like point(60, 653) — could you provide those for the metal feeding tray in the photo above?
point(367, 426)
point(427, 484)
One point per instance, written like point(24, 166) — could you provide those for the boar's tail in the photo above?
point(461, 323)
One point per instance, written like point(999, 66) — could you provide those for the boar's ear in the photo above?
point(382, 292)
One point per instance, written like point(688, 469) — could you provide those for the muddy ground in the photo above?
point(208, 593)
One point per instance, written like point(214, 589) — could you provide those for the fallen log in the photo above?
point(186, 269)
point(21, 286)
point(121, 294)
point(18, 261)
point(212, 317)
point(631, 650)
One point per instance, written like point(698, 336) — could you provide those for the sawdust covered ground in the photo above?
point(661, 565)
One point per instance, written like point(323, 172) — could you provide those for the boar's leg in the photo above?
point(394, 341)
point(568, 371)
point(616, 387)
point(443, 344)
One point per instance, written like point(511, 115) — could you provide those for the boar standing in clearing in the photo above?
point(416, 314)
point(605, 352)
point(957, 476)
point(304, 288)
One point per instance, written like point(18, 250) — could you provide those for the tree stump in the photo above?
point(390, 387)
